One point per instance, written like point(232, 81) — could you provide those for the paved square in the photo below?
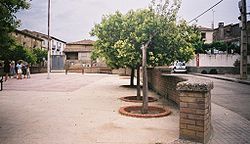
point(76, 109)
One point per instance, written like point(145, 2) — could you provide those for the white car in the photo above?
point(180, 67)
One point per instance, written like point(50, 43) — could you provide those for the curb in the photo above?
point(223, 78)
point(135, 111)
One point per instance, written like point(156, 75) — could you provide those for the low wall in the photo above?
point(38, 69)
point(194, 99)
point(164, 84)
point(122, 71)
point(90, 70)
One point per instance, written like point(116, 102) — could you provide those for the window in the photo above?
point(72, 56)
point(203, 35)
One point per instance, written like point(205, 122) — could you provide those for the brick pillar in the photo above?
point(195, 110)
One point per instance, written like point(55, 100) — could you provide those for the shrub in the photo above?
point(213, 71)
point(204, 72)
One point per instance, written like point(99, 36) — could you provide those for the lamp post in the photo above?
point(48, 64)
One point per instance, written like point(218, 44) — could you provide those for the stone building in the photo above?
point(79, 52)
point(229, 33)
point(27, 40)
point(57, 46)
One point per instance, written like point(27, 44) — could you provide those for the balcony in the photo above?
point(53, 47)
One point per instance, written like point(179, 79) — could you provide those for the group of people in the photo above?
point(20, 70)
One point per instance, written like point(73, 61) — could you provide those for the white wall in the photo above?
point(58, 46)
point(209, 37)
point(220, 60)
point(54, 43)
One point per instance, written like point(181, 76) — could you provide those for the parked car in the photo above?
point(180, 67)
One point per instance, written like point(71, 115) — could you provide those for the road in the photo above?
point(231, 95)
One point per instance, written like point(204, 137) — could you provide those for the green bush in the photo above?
point(213, 71)
point(204, 72)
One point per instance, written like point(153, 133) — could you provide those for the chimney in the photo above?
point(221, 35)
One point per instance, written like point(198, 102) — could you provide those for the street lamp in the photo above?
point(48, 64)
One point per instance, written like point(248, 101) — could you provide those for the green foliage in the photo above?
point(121, 36)
point(8, 22)
point(18, 52)
point(213, 71)
point(40, 55)
point(220, 46)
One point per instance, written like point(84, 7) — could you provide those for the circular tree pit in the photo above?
point(135, 100)
point(153, 111)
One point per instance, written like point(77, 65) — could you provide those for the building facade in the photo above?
point(230, 33)
point(57, 46)
point(79, 52)
point(27, 40)
point(206, 34)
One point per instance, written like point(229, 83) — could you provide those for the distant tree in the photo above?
point(8, 22)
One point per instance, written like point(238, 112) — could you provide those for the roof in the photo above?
point(28, 34)
point(39, 34)
point(78, 49)
point(201, 28)
point(82, 42)
point(233, 25)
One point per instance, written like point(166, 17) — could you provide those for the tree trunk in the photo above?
point(132, 76)
point(145, 80)
point(138, 83)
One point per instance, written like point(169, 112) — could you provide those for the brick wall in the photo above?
point(195, 110)
point(194, 99)
point(164, 84)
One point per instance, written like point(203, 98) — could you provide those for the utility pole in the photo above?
point(243, 48)
point(213, 20)
point(48, 63)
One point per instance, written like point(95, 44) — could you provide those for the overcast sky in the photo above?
point(72, 20)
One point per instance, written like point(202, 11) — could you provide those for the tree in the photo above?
point(121, 36)
point(18, 52)
point(8, 22)
point(40, 55)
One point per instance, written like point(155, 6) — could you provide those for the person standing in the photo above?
point(12, 69)
point(66, 66)
point(6, 69)
point(28, 71)
point(19, 70)
point(24, 69)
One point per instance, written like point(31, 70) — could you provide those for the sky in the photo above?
point(72, 20)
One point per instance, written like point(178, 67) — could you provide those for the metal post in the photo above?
point(48, 63)
point(243, 52)
point(145, 80)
